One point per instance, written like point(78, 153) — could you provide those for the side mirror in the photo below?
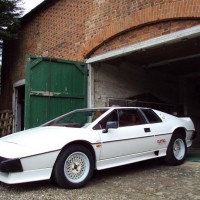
point(110, 124)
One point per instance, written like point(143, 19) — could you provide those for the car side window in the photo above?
point(151, 116)
point(130, 117)
point(110, 117)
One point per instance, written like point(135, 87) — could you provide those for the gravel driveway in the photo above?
point(149, 180)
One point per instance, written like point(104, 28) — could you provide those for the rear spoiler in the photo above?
point(186, 118)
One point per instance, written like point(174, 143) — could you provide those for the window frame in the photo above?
point(159, 120)
point(140, 115)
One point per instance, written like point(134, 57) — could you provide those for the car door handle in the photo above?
point(147, 130)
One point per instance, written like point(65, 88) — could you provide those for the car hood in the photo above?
point(42, 140)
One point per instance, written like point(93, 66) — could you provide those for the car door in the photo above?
point(159, 128)
point(133, 136)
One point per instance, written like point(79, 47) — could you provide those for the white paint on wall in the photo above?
point(127, 80)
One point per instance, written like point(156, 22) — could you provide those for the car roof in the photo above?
point(113, 108)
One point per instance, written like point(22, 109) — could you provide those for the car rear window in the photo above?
point(151, 116)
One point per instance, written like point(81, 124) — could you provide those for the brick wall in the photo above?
point(144, 33)
point(74, 30)
point(126, 15)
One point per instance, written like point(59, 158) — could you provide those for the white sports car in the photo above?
point(69, 148)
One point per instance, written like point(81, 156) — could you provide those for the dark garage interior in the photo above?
point(179, 60)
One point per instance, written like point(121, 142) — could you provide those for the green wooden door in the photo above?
point(53, 87)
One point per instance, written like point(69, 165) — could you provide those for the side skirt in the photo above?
point(124, 160)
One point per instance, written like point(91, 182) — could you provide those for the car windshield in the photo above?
point(77, 119)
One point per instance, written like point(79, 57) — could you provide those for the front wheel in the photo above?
point(176, 151)
point(74, 167)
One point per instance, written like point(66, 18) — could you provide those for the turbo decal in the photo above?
point(161, 141)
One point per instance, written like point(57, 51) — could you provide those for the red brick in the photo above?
point(75, 30)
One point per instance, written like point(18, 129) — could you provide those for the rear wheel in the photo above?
point(176, 151)
point(74, 167)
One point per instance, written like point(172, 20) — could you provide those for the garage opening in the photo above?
point(19, 105)
point(161, 73)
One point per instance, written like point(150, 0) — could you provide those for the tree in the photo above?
point(10, 13)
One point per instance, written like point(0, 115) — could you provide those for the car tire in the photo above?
point(176, 151)
point(74, 167)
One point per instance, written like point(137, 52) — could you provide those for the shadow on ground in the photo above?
point(193, 155)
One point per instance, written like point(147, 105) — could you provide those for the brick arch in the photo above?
point(182, 9)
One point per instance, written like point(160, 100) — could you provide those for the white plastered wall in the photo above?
point(127, 80)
